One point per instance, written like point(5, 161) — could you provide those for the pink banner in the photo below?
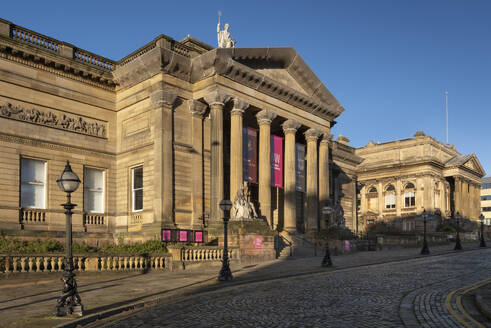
point(166, 235)
point(277, 161)
point(258, 242)
point(183, 235)
point(198, 236)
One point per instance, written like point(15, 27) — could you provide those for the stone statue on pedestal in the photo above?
point(224, 39)
point(242, 209)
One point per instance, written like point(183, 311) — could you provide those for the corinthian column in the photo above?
point(324, 174)
point(216, 100)
point(290, 128)
point(197, 110)
point(311, 135)
point(264, 119)
point(163, 199)
point(236, 151)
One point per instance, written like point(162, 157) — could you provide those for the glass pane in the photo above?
point(93, 179)
point(32, 171)
point(138, 177)
point(138, 200)
point(32, 196)
point(93, 201)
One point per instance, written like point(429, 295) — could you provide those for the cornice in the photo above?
point(24, 54)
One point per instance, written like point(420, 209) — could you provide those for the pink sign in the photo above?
point(258, 242)
point(183, 235)
point(277, 161)
point(165, 235)
point(347, 245)
point(198, 236)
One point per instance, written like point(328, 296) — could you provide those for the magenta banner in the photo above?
point(249, 147)
point(300, 167)
point(277, 161)
point(258, 242)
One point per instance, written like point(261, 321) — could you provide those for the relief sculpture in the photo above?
point(50, 119)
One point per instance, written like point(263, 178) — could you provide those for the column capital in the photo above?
point(196, 108)
point(326, 138)
point(290, 126)
point(312, 134)
point(216, 97)
point(265, 117)
point(239, 106)
point(163, 98)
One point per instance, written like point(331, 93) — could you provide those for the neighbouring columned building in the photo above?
point(486, 199)
point(400, 179)
point(161, 136)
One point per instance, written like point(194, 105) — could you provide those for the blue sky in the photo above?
point(388, 62)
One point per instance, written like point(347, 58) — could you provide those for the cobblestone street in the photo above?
point(409, 293)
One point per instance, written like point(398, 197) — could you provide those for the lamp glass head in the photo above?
point(68, 180)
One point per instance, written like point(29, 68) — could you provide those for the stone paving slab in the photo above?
point(29, 299)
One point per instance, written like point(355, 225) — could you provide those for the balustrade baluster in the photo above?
point(125, 263)
point(60, 263)
point(38, 263)
point(23, 264)
point(7, 264)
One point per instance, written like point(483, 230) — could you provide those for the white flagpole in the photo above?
point(446, 111)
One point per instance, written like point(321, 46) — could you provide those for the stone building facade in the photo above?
point(157, 137)
point(400, 179)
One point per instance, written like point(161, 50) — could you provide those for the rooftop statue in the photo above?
point(224, 39)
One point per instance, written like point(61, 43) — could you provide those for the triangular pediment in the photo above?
point(468, 161)
point(282, 76)
point(474, 165)
point(278, 72)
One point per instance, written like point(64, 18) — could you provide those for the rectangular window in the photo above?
point(32, 183)
point(409, 199)
point(390, 201)
point(93, 190)
point(137, 188)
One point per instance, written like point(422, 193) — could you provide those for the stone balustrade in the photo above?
point(201, 253)
point(94, 219)
point(33, 216)
point(55, 263)
point(93, 59)
point(34, 39)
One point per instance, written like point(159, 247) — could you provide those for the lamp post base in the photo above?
point(70, 302)
point(326, 261)
point(425, 250)
point(225, 272)
point(458, 245)
point(482, 243)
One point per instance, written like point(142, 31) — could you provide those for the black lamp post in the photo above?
point(425, 250)
point(69, 302)
point(225, 273)
point(326, 261)
point(458, 246)
point(483, 242)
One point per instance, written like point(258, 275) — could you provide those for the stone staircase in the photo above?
point(293, 245)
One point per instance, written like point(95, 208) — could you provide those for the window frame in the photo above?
point(103, 189)
point(44, 184)
point(133, 198)
point(409, 188)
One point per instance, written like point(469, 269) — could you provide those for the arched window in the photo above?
point(390, 197)
point(372, 199)
point(409, 195)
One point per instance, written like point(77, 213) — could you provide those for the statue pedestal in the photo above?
point(254, 238)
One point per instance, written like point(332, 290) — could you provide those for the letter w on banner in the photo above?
point(277, 161)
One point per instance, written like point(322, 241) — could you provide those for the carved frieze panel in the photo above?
point(55, 119)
